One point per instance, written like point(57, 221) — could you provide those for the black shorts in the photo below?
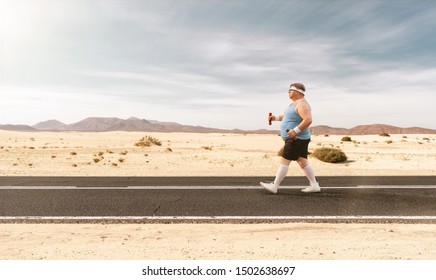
point(295, 148)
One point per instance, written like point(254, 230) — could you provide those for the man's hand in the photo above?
point(291, 133)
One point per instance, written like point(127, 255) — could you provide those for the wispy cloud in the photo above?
point(209, 62)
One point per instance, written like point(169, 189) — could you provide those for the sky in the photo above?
point(222, 64)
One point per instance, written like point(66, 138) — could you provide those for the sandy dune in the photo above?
point(186, 154)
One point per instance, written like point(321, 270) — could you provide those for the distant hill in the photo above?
point(49, 125)
point(111, 124)
point(16, 127)
point(380, 128)
point(136, 124)
point(324, 129)
point(369, 129)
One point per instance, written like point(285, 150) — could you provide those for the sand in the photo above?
point(189, 154)
point(299, 241)
point(182, 154)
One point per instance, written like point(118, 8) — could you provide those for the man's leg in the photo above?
point(308, 171)
point(281, 174)
point(282, 171)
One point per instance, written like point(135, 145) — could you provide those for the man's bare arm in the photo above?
point(305, 113)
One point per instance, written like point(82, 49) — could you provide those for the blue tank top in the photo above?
point(290, 120)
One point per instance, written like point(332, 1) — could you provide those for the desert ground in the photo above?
point(190, 154)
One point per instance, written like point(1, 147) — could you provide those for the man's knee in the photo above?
point(302, 162)
point(285, 161)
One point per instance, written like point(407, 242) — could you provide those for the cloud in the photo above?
point(219, 59)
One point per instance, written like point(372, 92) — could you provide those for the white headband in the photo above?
point(297, 89)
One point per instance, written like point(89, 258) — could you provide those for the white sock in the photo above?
point(308, 171)
point(281, 174)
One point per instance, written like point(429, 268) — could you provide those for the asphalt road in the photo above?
point(216, 199)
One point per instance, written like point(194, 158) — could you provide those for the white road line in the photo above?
point(281, 187)
point(37, 187)
point(214, 218)
point(207, 187)
point(204, 187)
point(396, 187)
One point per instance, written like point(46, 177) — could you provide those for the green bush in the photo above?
point(330, 155)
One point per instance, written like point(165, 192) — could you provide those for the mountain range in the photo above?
point(135, 124)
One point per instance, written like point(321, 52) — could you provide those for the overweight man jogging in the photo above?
point(294, 130)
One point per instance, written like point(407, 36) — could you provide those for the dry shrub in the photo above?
point(147, 141)
point(280, 152)
point(330, 155)
point(384, 134)
point(346, 139)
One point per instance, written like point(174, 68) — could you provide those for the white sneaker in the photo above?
point(312, 189)
point(269, 187)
